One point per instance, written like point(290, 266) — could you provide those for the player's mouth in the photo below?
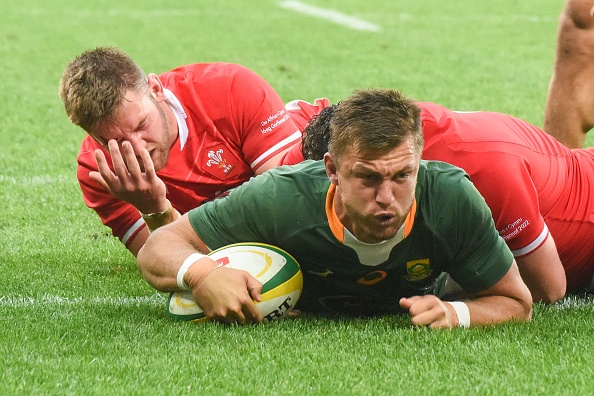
point(385, 219)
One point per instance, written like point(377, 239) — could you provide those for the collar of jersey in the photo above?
point(180, 116)
point(338, 229)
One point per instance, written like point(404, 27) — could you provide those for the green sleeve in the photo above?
point(236, 217)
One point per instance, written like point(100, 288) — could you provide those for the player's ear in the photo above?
point(331, 168)
point(155, 87)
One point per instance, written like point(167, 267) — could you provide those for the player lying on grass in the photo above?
point(161, 145)
point(373, 226)
point(541, 194)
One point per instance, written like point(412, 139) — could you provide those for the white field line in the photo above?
point(55, 301)
point(18, 301)
point(330, 15)
point(157, 13)
point(572, 301)
point(192, 13)
point(37, 180)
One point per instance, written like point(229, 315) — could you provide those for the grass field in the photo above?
point(76, 318)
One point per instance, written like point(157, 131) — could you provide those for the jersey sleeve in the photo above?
point(241, 216)
point(511, 195)
point(479, 257)
point(122, 218)
point(487, 147)
point(264, 124)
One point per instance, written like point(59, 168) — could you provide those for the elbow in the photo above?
point(550, 296)
point(145, 261)
point(548, 291)
point(142, 258)
point(524, 312)
point(525, 306)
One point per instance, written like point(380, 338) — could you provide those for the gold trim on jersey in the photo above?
point(337, 227)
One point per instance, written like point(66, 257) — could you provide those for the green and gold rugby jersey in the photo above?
point(449, 229)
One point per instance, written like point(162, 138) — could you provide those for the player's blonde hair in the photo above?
point(374, 121)
point(93, 85)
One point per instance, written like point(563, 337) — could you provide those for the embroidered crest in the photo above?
point(418, 270)
point(220, 161)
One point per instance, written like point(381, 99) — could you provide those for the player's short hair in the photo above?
point(374, 121)
point(316, 134)
point(93, 85)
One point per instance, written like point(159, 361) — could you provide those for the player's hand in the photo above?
point(132, 181)
point(227, 295)
point(428, 311)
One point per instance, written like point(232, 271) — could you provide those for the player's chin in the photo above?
point(380, 234)
point(159, 159)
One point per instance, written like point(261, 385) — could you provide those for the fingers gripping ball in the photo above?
point(277, 270)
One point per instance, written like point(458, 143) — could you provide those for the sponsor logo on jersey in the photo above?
point(372, 278)
point(418, 270)
point(220, 161)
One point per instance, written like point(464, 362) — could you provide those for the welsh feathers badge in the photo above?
point(219, 161)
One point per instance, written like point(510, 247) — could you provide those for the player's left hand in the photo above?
point(427, 311)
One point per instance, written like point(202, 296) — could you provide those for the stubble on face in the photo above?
point(375, 193)
point(160, 154)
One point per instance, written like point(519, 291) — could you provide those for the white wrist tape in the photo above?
point(462, 312)
point(192, 258)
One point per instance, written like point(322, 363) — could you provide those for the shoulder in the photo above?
point(86, 153)
point(267, 207)
point(438, 172)
point(306, 177)
point(431, 111)
point(445, 191)
point(222, 82)
point(207, 72)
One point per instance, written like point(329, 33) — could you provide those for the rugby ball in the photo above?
point(277, 270)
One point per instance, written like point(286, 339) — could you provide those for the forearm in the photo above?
point(164, 252)
point(508, 300)
point(543, 273)
point(491, 310)
point(160, 258)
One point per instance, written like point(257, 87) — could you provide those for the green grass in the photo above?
point(75, 315)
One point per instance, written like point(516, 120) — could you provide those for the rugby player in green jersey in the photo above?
point(374, 228)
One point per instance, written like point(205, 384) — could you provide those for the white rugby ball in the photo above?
point(277, 270)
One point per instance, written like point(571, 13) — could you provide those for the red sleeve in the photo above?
point(302, 112)
point(510, 194)
point(123, 218)
point(260, 117)
point(503, 178)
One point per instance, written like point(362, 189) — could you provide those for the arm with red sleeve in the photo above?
point(494, 149)
point(511, 195)
point(503, 179)
point(225, 103)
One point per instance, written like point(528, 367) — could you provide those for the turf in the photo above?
point(75, 315)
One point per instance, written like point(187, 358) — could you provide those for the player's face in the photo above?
point(375, 193)
point(142, 121)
